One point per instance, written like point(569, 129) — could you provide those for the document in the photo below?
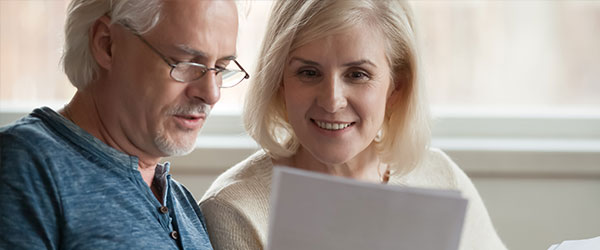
point(587, 244)
point(316, 211)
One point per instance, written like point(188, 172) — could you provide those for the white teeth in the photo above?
point(332, 126)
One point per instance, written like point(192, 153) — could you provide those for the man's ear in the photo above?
point(101, 42)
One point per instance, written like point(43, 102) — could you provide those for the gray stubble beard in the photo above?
point(170, 147)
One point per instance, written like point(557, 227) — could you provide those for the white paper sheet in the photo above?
point(316, 211)
point(586, 244)
point(553, 247)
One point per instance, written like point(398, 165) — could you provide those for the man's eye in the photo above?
point(222, 65)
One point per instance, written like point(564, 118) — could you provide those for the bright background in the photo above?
point(539, 56)
point(515, 86)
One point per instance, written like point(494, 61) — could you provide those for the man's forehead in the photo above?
point(194, 15)
point(194, 27)
point(199, 53)
point(206, 9)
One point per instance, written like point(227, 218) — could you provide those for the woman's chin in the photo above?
point(333, 157)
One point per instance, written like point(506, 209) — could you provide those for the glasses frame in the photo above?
point(174, 65)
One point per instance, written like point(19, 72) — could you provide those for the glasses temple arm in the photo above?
point(238, 64)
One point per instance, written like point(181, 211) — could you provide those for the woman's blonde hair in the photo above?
point(78, 61)
point(405, 132)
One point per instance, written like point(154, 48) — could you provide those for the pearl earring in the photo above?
point(378, 135)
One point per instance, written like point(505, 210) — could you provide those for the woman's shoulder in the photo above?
point(436, 170)
point(478, 230)
point(249, 179)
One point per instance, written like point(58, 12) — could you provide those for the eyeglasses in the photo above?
point(189, 71)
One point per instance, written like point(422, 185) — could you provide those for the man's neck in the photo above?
point(83, 111)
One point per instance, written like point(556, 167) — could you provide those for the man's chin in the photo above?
point(178, 151)
point(171, 148)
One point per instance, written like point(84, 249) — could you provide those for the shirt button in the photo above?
point(175, 235)
point(163, 209)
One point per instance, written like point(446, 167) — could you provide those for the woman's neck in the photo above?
point(365, 166)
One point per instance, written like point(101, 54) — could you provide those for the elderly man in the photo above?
point(147, 73)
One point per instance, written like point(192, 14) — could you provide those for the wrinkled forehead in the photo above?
point(199, 11)
point(358, 32)
point(313, 31)
point(199, 24)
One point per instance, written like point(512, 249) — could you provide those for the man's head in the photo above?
point(133, 58)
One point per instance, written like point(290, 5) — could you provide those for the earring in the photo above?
point(378, 136)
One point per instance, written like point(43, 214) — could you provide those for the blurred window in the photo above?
point(477, 55)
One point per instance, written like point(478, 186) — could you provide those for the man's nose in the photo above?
point(207, 88)
point(331, 97)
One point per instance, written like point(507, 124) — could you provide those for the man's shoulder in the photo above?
point(29, 131)
point(32, 141)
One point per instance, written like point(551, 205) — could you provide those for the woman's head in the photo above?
point(329, 35)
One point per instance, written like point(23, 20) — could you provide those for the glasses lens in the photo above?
point(232, 77)
point(186, 72)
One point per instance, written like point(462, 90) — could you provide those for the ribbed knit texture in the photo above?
point(236, 206)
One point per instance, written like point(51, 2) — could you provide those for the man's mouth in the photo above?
point(189, 117)
point(190, 121)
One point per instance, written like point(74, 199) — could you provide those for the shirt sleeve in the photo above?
point(29, 201)
point(227, 227)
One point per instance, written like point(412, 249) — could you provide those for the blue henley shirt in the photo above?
point(62, 188)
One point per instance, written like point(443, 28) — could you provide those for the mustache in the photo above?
point(190, 109)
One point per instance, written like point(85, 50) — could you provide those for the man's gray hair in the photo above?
point(78, 62)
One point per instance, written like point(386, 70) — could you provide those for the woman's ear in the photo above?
point(394, 93)
point(101, 42)
point(281, 92)
point(281, 96)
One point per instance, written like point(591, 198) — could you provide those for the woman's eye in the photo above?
point(308, 74)
point(358, 76)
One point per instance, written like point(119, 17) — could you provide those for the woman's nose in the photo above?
point(331, 97)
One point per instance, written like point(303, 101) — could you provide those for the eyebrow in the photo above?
point(309, 62)
point(360, 62)
point(350, 64)
point(197, 53)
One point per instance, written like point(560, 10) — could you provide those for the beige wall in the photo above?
point(534, 213)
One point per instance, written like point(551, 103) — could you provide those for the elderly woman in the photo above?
point(336, 92)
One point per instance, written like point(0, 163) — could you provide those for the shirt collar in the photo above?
point(84, 139)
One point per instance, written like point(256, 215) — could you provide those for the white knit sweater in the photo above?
point(236, 206)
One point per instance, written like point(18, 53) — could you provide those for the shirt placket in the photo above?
point(164, 212)
point(173, 225)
